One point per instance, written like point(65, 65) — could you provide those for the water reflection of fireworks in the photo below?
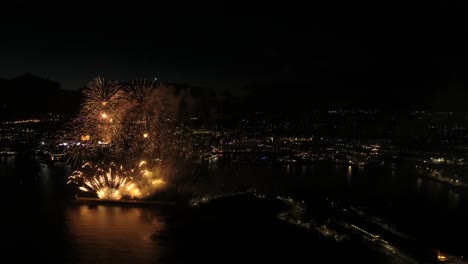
point(114, 182)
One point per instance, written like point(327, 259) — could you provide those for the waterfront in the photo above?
point(41, 220)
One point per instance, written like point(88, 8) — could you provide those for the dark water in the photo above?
point(42, 223)
point(433, 212)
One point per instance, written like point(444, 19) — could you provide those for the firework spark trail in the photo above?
point(143, 128)
point(103, 109)
point(99, 121)
point(114, 182)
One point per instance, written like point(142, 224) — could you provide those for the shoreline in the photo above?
point(91, 200)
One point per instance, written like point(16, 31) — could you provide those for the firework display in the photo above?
point(127, 145)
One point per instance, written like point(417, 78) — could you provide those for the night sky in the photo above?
point(362, 50)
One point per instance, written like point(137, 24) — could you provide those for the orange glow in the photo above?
point(145, 135)
point(85, 138)
point(158, 182)
point(104, 115)
point(441, 257)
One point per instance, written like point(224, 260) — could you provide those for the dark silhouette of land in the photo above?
point(28, 94)
point(31, 95)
